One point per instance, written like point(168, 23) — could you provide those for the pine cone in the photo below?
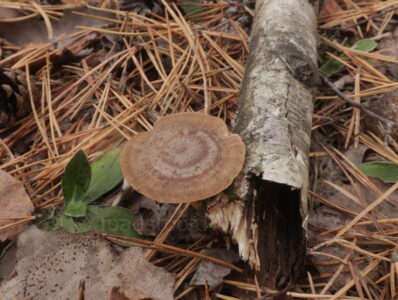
point(14, 96)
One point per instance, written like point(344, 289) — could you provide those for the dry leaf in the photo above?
point(8, 13)
point(119, 294)
point(14, 202)
point(35, 31)
point(52, 264)
point(152, 216)
point(387, 107)
point(331, 7)
point(388, 46)
point(211, 273)
point(336, 188)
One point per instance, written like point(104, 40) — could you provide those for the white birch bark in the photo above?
point(274, 120)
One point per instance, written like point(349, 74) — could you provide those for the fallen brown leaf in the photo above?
point(15, 205)
point(51, 265)
point(210, 273)
point(331, 7)
point(119, 294)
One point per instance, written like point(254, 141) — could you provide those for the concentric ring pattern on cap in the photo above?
point(186, 157)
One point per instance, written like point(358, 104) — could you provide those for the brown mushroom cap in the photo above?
point(186, 157)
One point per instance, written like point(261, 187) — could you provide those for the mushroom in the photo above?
point(186, 157)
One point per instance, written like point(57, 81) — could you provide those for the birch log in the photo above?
point(266, 207)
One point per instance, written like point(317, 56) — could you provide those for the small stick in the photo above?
point(383, 12)
point(82, 287)
point(258, 290)
point(390, 124)
point(207, 297)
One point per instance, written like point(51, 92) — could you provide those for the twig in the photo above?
point(161, 247)
point(383, 12)
point(390, 124)
point(82, 287)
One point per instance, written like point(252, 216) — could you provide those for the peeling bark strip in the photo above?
point(267, 204)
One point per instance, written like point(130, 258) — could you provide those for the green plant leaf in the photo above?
point(105, 175)
point(332, 66)
point(112, 220)
point(71, 225)
point(382, 170)
point(47, 222)
point(75, 209)
point(365, 45)
point(190, 7)
point(76, 179)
